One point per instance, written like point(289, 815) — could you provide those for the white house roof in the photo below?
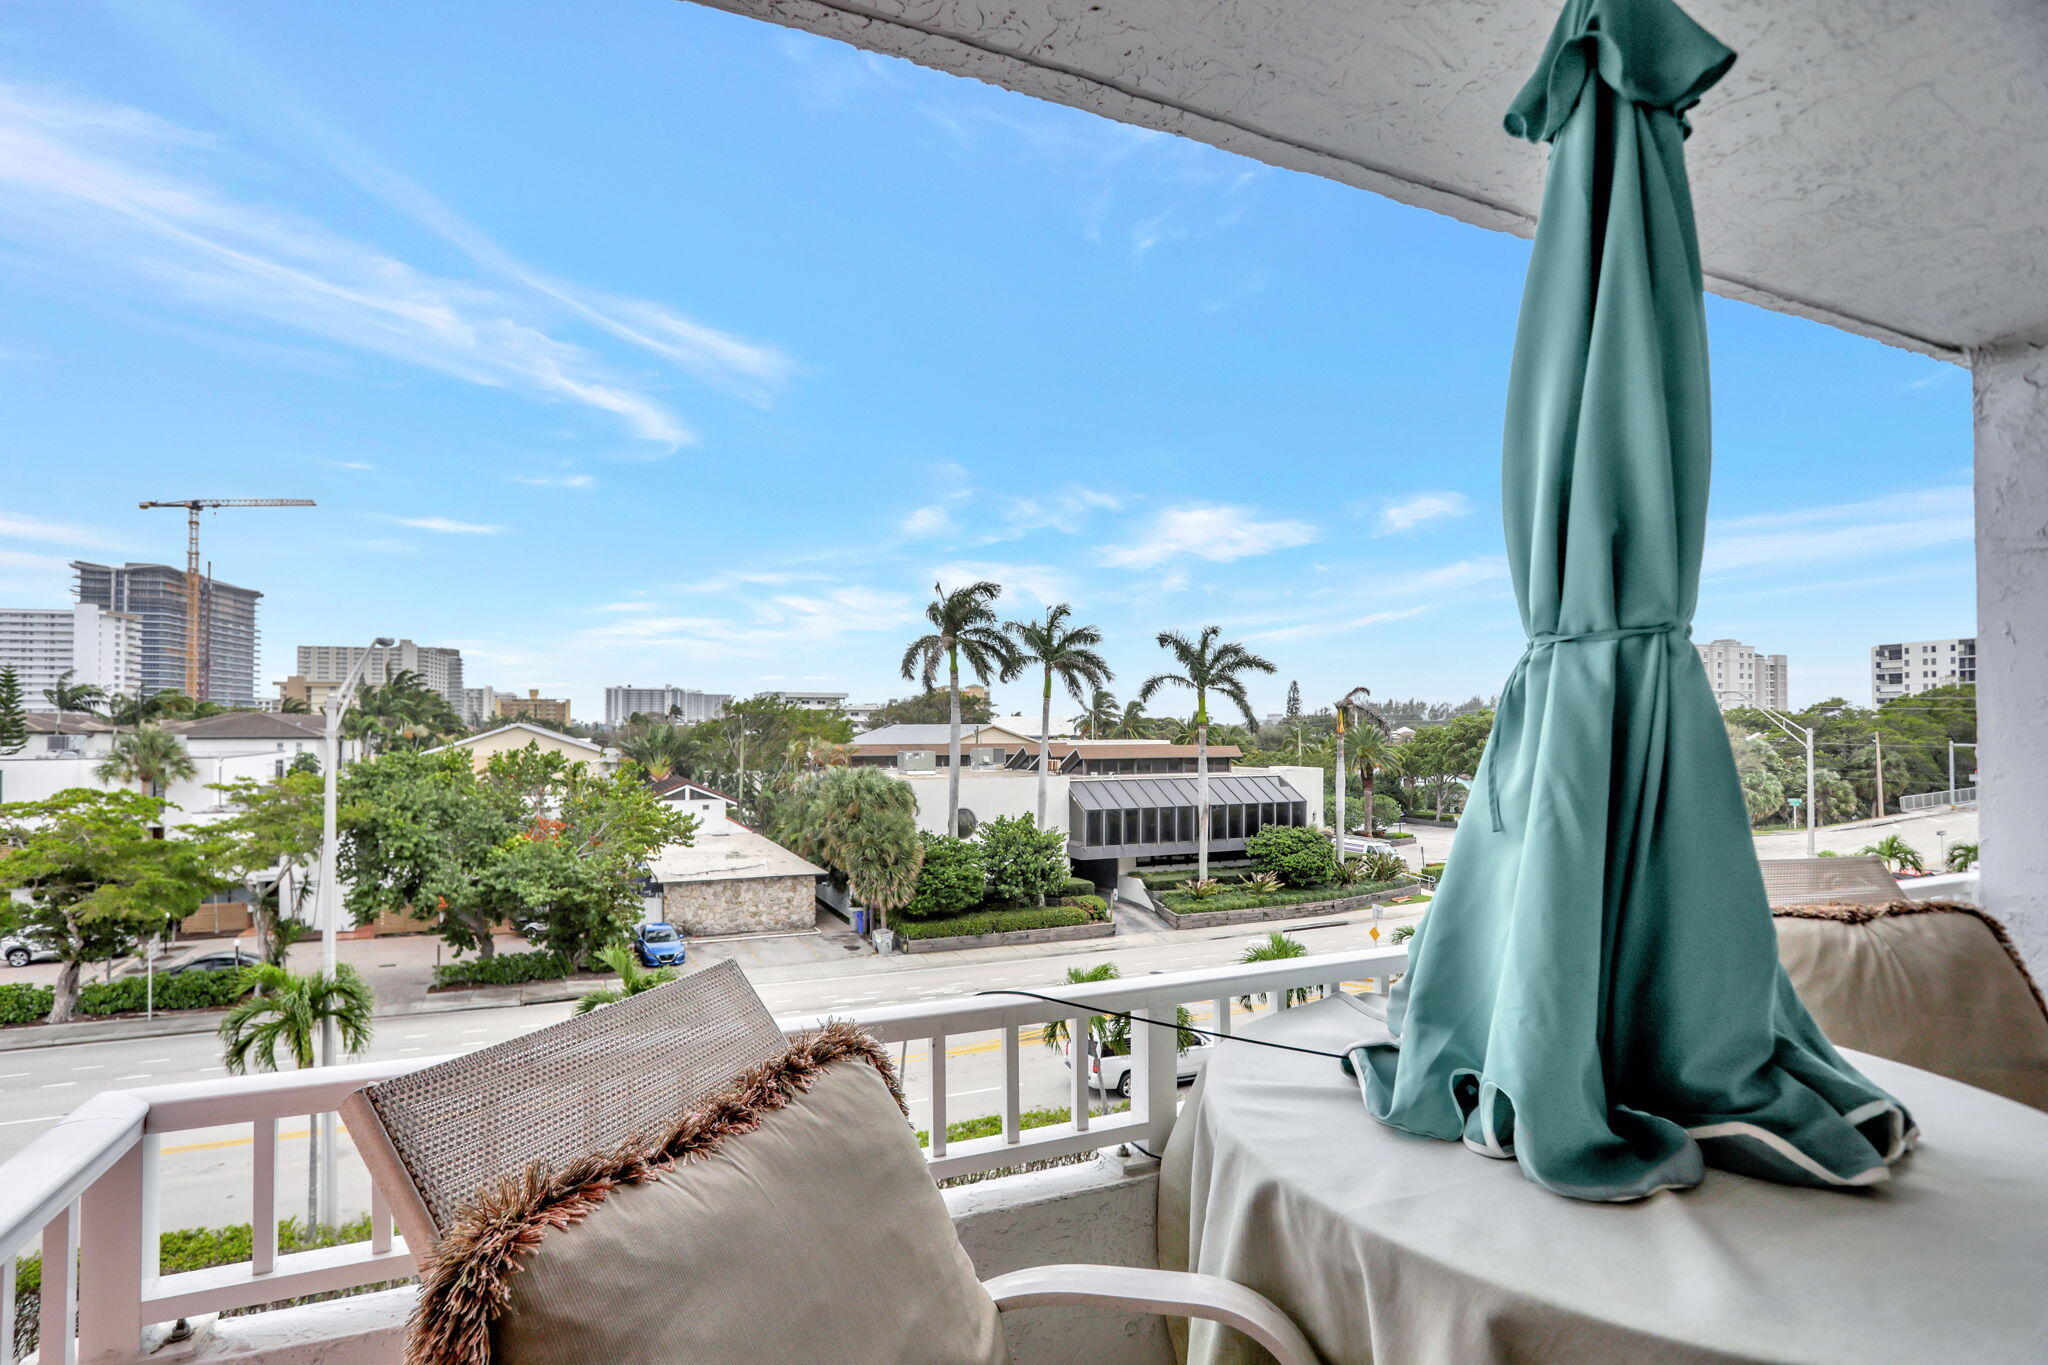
point(537, 731)
point(728, 852)
point(1874, 165)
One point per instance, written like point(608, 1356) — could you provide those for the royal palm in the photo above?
point(1206, 665)
point(1066, 652)
point(963, 627)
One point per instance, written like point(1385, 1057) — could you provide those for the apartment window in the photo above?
point(1151, 825)
point(1094, 834)
point(1130, 827)
point(1187, 824)
point(1219, 822)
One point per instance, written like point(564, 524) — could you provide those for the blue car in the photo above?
point(658, 945)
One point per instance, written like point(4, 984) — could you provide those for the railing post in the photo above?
point(110, 1235)
point(936, 1144)
point(60, 1289)
point(1157, 1054)
point(1080, 1051)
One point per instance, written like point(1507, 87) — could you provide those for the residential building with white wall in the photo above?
point(439, 668)
point(1744, 676)
point(813, 701)
point(479, 705)
point(97, 647)
point(1906, 669)
point(622, 703)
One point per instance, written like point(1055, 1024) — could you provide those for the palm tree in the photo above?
point(137, 710)
point(1063, 651)
point(963, 624)
point(288, 1010)
point(633, 979)
point(861, 823)
point(1277, 947)
point(1898, 855)
point(1961, 856)
point(66, 695)
point(1206, 665)
point(1102, 714)
point(150, 756)
point(659, 749)
point(1131, 722)
point(1372, 748)
point(294, 706)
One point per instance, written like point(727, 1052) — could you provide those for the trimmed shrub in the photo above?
point(1081, 886)
point(1296, 854)
point(506, 969)
point(185, 991)
point(1238, 898)
point(966, 1130)
point(25, 1004)
point(952, 880)
point(1385, 810)
point(1002, 921)
point(1024, 861)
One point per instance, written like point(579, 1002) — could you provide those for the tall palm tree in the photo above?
point(1370, 744)
point(66, 695)
point(1131, 722)
point(136, 710)
point(1898, 855)
point(294, 706)
point(1062, 651)
point(287, 1010)
point(658, 749)
point(1206, 665)
point(963, 626)
point(149, 756)
point(1101, 715)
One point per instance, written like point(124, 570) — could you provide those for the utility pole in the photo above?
point(1804, 734)
point(1877, 739)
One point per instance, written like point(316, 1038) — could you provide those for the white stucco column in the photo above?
point(2012, 639)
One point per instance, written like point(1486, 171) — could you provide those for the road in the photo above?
point(205, 1175)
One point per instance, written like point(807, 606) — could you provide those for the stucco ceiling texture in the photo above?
point(1880, 165)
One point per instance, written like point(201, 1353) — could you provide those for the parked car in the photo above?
point(219, 960)
point(1110, 1068)
point(18, 950)
point(657, 944)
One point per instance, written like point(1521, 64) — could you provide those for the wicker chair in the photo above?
point(434, 1137)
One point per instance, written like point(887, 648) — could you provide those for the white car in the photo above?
point(1112, 1073)
point(18, 950)
point(1355, 844)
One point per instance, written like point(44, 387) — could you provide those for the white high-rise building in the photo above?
point(440, 669)
point(621, 704)
point(1741, 676)
point(99, 648)
point(1902, 670)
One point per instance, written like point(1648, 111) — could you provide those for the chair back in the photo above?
point(1859, 880)
point(433, 1137)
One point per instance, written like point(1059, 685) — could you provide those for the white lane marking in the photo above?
point(146, 1061)
point(138, 1076)
point(410, 1036)
point(985, 1090)
point(410, 1049)
point(95, 1067)
point(213, 1068)
point(47, 1118)
point(468, 1030)
point(57, 1085)
point(13, 1076)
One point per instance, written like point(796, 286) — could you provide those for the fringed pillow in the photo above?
point(789, 1218)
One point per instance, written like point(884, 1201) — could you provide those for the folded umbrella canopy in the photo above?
point(1596, 990)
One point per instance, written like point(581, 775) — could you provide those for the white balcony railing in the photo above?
point(88, 1186)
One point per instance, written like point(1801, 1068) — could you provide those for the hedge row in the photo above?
point(1181, 903)
point(25, 1004)
point(966, 1130)
point(505, 969)
point(1077, 910)
point(1166, 880)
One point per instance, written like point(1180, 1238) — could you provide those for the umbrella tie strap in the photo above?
point(1554, 638)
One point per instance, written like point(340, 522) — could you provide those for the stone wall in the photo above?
point(746, 905)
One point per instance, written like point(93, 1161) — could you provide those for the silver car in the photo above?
point(18, 950)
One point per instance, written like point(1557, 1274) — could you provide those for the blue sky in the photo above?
point(649, 344)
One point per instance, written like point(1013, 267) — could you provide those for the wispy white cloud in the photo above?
point(1842, 533)
point(1040, 582)
point(19, 527)
point(556, 480)
point(23, 559)
point(1067, 509)
point(626, 606)
point(778, 626)
point(1936, 372)
point(930, 520)
point(447, 526)
point(1215, 532)
point(1409, 511)
point(1422, 591)
point(125, 197)
point(359, 466)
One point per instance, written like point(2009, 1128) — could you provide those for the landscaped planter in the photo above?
point(1006, 938)
point(1255, 914)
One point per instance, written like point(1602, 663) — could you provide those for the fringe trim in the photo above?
point(1843, 912)
point(463, 1279)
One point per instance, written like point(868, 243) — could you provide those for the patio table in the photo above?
point(1396, 1249)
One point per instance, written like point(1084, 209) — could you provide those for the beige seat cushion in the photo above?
point(1933, 986)
point(790, 1219)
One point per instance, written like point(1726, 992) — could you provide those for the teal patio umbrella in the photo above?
point(1595, 992)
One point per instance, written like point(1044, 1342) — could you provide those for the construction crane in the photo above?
point(195, 675)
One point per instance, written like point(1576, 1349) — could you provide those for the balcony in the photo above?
point(86, 1192)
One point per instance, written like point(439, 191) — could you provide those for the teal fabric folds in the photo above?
point(1596, 991)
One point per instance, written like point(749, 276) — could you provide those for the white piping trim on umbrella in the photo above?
point(1785, 1149)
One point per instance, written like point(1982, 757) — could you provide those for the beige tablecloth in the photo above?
point(1403, 1251)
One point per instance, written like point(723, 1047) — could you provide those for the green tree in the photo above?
point(952, 879)
point(149, 756)
point(294, 706)
point(1898, 855)
point(1961, 857)
point(13, 720)
point(1102, 714)
point(1446, 753)
point(1762, 791)
point(1061, 651)
point(1024, 861)
point(1300, 856)
point(66, 695)
point(633, 978)
point(274, 829)
point(95, 877)
point(402, 713)
point(417, 832)
point(659, 750)
point(1276, 947)
point(1294, 700)
point(288, 1011)
point(933, 707)
point(1111, 1034)
point(860, 824)
point(1206, 665)
point(964, 626)
point(1132, 722)
point(137, 710)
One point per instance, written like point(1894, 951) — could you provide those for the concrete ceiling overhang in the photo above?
point(1878, 165)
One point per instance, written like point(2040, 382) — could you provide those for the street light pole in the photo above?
point(1802, 733)
point(326, 903)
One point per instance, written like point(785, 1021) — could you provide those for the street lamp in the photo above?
point(327, 904)
point(1351, 701)
point(1802, 733)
